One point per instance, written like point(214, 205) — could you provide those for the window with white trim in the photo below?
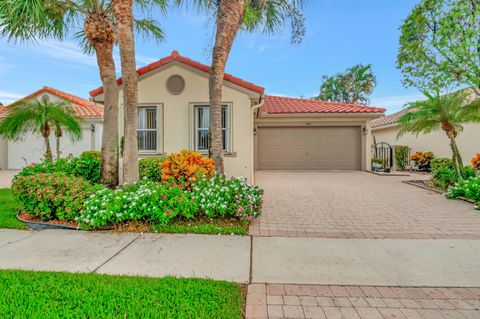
point(202, 133)
point(147, 129)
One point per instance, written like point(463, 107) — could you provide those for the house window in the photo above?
point(202, 133)
point(147, 129)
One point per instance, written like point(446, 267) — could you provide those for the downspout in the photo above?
point(253, 132)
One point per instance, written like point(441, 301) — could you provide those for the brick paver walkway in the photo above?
point(358, 205)
point(276, 301)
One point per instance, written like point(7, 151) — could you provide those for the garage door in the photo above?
point(305, 148)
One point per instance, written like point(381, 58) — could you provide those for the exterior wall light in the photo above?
point(365, 131)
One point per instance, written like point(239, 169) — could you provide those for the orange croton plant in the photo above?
point(187, 166)
point(476, 162)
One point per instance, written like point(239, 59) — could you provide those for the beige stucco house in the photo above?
point(30, 148)
point(385, 129)
point(260, 131)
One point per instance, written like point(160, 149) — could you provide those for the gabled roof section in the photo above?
point(82, 107)
point(387, 121)
point(288, 105)
point(175, 56)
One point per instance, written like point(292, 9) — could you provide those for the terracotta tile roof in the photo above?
point(175, 56)
point(84, 108)
point(389, 120)
point(3, 111)
point(288, 105)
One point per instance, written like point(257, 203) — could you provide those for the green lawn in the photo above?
point(204, 227)
point(25, 294)
point(8, 210)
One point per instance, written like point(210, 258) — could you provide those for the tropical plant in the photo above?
point(446, 112)
point(422, 160)
point(475, 161)
point(469, 188)
point(32, 19)
point(401, 156)
point(441, 162)
point(439, 45)
point(444, 177)
point(353, 86)
point(232, 16)
point(150, 168)
point(124, 17)
point(186, 166)
point(41, 117)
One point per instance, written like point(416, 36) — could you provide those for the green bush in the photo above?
point(401, 156)
point(443, 177)
point(147, 201)
point(469, 188)
point(380, 161)
point(151, 168)
point(95, 154)
point(441, 162)
point(222, 197)
point(52, 195)
point(87, 166)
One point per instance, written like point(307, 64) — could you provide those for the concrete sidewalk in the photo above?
point(158, 255)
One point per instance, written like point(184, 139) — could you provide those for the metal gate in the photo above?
point(383, 152)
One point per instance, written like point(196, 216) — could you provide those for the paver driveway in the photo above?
point(350, 204)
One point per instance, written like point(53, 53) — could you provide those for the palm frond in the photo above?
point(149, 29)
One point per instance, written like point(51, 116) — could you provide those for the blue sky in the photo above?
point(339, 34)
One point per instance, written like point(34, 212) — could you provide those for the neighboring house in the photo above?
point(17, 154)
point(260, 132)
point(386, 128)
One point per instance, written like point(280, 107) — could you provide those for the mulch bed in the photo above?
point(23, 216)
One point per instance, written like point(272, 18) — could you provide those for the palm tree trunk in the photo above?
point(456, 158)
point(48, 149)
point(57, 146)
point(109, 161)
point(229, 18)
point(124, 15)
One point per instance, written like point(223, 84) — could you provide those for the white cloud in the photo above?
point(395, 103)
point(143, 59)
point(66, 51)
point(9, 97)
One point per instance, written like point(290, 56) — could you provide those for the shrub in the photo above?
point(469, 188)
point(95, 154)
point(186, 166)
point(87, 166)
point(443, 177)
point(441, 162)
point(142, 201)
point(401, 156)
point(151, 168)
point(59, 165)
point(379, 161)
point(476, 162)
point(221, 197)
point(422, 160)
point(52, 195)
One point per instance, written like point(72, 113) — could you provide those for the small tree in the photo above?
point(41, 117)
point(446, 112)
point(353, 86)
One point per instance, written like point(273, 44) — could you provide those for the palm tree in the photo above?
point(446, 112)
point(231, 16)
point(52, 19)
point(41, 117)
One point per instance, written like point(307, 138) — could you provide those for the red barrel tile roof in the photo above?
point(82, 107)
point(175, 56)
point(288, 105)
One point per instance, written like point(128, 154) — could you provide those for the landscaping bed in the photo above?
point(27, 294)
point(178, 194)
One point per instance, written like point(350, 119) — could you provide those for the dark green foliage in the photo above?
point(444, 177)
point(95, 154)
point(441, 162)
point(8, 210)
point(48, 295)
point(401, 156)
point(469, 188)
point(52, 195)
point(87, 166)
point(151, 168)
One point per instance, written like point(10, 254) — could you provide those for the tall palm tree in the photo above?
point(232, 16)
point(442, 112)
point(41, 117)
point(53, 19)
point(123, 11)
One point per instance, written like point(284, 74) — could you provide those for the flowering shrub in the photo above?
point(422, 160)
point(186, 166)
point(142, 201)
point(221, 197)
point(469, 188)
point(52, 195)
point(476, 162)
point(151, 168)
